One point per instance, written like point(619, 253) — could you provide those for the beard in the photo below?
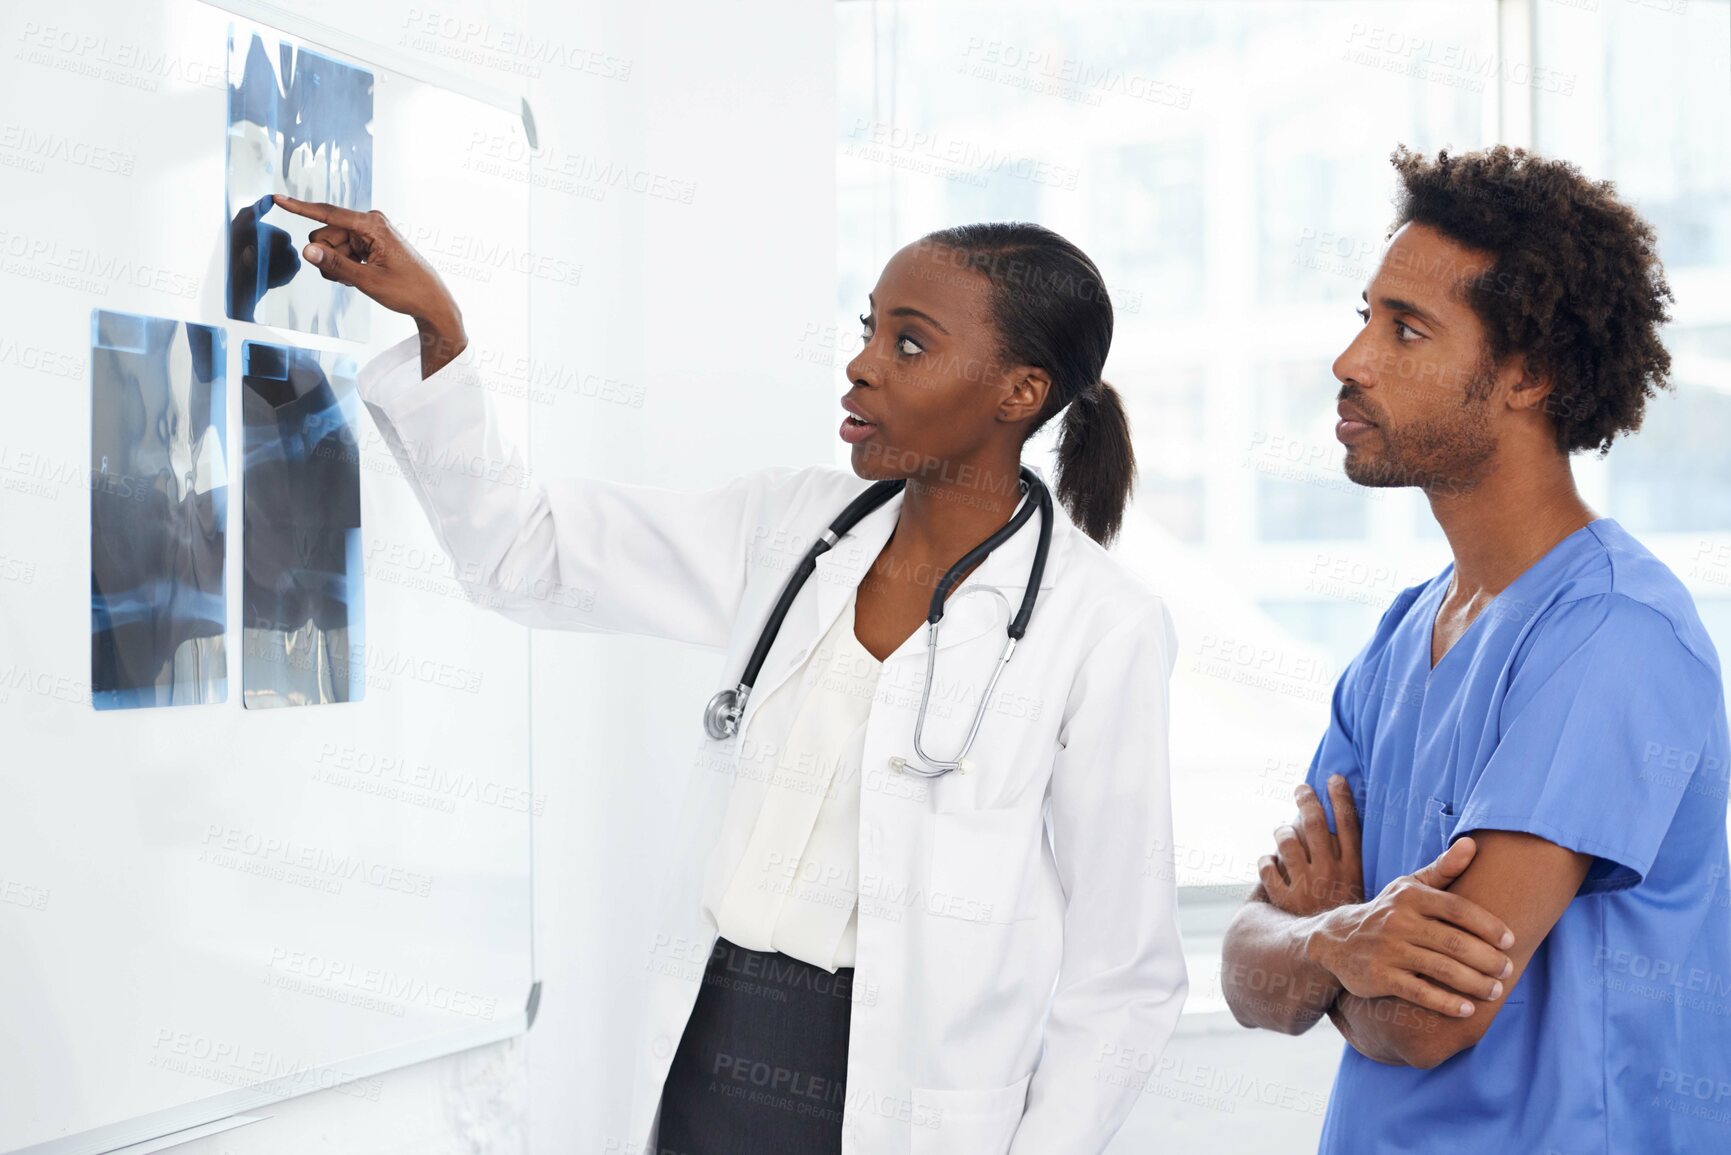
point(1439, 454)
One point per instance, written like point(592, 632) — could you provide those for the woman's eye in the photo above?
point(909, 347)
point(865, 325)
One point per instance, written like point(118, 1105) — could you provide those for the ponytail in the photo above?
point(1096, 464)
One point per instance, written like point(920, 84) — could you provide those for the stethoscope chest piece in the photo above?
point(721, 716)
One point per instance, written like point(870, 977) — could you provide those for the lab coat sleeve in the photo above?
point(1121, 981)
point(572, 553)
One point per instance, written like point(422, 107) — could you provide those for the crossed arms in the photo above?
point(1411, 976)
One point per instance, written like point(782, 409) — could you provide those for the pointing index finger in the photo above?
point(320, 211)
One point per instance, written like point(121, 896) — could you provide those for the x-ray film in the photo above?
point(298, 123)
point(303, 624)
point(158, 512)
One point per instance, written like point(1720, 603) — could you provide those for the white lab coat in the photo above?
point(1018, 959)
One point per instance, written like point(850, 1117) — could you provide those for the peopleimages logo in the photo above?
point(399, 990)
point(1643, 966)
point(87, 270)
point(1704, 1088)
point(317, 862)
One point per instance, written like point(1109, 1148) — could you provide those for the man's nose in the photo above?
point(1351, 367)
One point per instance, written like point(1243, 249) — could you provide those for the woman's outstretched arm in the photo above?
point(572, 553)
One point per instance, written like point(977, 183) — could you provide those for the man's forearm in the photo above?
point(1270, 981)
point(1387, 1030)
point(1266, 974)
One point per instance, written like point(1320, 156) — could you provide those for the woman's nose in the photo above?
point(863, 369)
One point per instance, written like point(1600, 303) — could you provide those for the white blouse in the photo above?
point(795, 808)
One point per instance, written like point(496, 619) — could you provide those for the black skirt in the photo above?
point(762, 1065)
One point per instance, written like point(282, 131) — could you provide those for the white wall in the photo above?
point(699, 308)
point(739, 99)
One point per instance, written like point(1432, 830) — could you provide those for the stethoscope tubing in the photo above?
point(725, 709)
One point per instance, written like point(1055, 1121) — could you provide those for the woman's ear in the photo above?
point(1028, 388)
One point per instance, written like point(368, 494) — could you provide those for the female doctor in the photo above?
point(871, 944)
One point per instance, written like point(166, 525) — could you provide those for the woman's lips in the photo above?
point(854, 430)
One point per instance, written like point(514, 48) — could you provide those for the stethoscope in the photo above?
point(721, 717)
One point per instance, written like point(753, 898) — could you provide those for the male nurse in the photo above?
point(1507, 883)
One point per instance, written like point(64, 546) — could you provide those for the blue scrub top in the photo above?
point(1584, 705)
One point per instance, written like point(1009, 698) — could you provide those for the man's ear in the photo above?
point(1532, 387)
point(1029, 388)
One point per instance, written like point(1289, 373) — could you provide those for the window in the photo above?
point(1226, 166)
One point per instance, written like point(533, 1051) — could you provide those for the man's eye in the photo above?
point(1363, 315)
point(1406, 332)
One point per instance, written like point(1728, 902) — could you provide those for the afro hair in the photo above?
point(1576, 290)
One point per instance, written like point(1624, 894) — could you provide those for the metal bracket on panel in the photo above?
point(529, 124)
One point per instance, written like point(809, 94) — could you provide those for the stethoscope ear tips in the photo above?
point(898, 764)
point(964, 765)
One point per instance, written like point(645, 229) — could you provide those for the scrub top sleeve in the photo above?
point(1603, 725)
point(1337, 752)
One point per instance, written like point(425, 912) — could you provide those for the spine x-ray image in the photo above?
point(298, 123)
point(158, 512)
point(302, 623)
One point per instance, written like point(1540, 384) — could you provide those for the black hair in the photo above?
point(1052, 311)
point(1576, 289)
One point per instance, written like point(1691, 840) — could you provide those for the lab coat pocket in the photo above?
point(968, 1121)
point(980, 858)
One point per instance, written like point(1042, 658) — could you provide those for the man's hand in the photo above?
point(1415, 941)
point(1313, 870)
